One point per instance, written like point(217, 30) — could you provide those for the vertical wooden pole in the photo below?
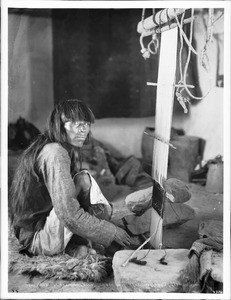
point(163, 121)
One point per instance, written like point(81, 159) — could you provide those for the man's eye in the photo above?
point(84, 124)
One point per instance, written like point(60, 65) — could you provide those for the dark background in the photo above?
point(97, 57)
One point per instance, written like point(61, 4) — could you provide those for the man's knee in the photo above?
point(82, 181)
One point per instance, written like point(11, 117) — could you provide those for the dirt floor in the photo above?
point(206, 205)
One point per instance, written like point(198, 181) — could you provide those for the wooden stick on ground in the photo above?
point(133, 253)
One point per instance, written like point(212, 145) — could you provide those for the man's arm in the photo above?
point(54, 163)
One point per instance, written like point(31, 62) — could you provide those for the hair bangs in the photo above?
point(76, 110)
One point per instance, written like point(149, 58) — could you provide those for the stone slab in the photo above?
point(152, 277)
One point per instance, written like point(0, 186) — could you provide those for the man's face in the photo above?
point(77, 132)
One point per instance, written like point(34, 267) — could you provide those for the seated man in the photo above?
point(46, 207)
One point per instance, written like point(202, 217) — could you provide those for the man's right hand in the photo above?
point(121, 237)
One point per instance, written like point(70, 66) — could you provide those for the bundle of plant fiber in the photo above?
point(91, 268)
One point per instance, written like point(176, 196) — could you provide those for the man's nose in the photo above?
point(83, 128)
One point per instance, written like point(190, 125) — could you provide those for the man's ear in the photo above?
point(67, 125)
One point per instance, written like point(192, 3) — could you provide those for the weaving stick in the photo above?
point(163, 121)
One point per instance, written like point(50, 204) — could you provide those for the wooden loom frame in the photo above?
point(165, 95)
point(164, 22)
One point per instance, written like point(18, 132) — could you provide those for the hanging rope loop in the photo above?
point(147, 51)
point(155, 43)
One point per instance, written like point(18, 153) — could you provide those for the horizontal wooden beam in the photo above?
point(162, 17)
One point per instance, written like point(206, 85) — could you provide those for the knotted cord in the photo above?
point(209, 37)
point(180, 26)
point(182, 100)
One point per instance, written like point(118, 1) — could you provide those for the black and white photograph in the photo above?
point(115, 149)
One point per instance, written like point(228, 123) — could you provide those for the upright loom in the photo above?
point(161, 22)
point(167, 22)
